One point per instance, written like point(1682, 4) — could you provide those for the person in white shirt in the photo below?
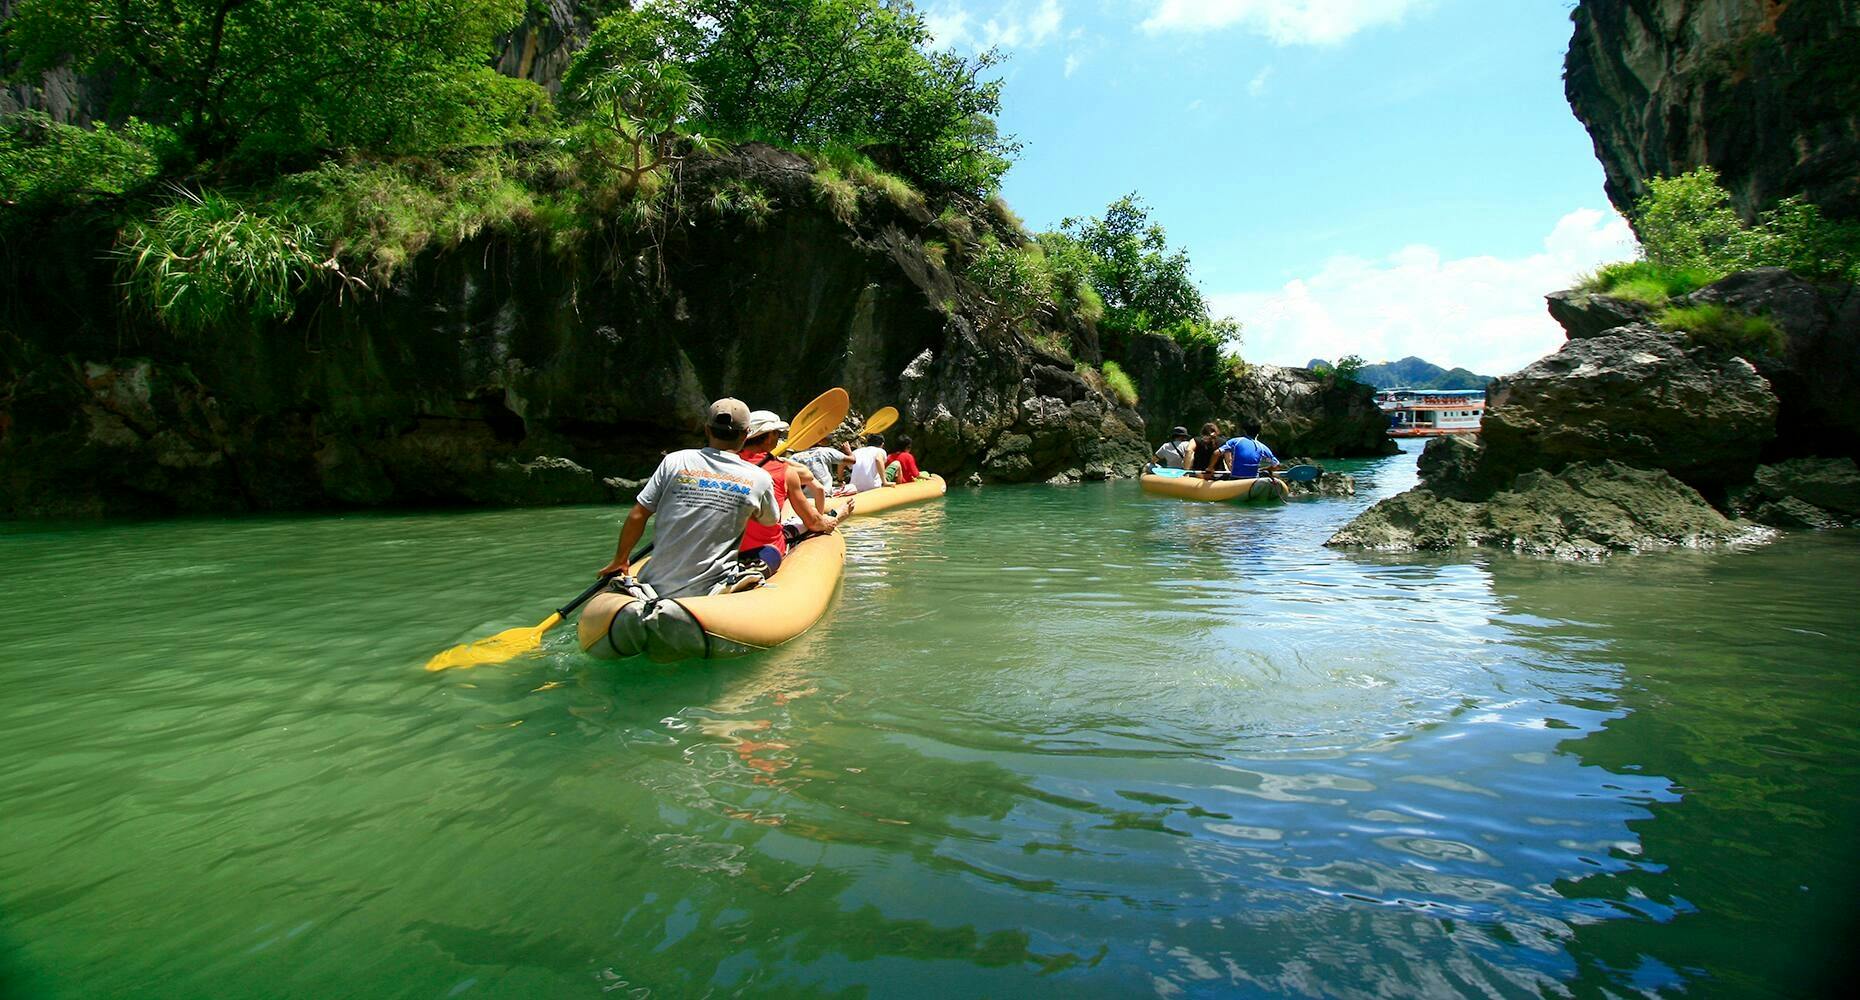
point(868, 471)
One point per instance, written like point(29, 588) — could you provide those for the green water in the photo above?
point(1049, 741)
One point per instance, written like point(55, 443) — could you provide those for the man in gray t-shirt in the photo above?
point(824, 462)
point(703, 497)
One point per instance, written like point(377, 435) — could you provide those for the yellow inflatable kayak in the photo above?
point(927, 486)
point(615, 626)
point(1264, 488)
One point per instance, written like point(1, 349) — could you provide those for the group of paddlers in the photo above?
point(1209, 457)
point(720, 527)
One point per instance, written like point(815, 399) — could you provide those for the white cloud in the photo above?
point(1072, 64)
point(1285, 22)
point(1482, 313)
point(1017, 24)
point(1258, 84)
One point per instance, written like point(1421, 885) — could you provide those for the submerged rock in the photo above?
point(1803, 493)
point(1331, 485)
point(1585, 511)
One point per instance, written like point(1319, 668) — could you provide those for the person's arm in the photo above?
point(810, 486)
point(804, 508)
point(630, 533)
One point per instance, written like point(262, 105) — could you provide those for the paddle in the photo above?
point(815, 421)
point(1302, 473)
point(879, 421)
point(512, 642)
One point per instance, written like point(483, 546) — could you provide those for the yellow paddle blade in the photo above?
point(816, 420)
point(880, 421)
point(506, 645)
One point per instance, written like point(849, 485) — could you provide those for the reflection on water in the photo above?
point(1050, 741)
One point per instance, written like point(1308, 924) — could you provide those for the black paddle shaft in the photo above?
point(569, 608)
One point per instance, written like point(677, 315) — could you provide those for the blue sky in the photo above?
point(1383, 177)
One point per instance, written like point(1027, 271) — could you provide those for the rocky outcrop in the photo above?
point(1766, 91)
point(1803, 493)
point(1590, 314)
point(1817, 376)
point(1585, 511)
point(1650, 400)
point(1297, 410)
point(1449, 465)
point(505, 371)
point(544, 42)
point(1620, 442)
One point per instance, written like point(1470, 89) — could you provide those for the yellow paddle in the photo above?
point(879, 421)
point(510, 643)
point(815, 421)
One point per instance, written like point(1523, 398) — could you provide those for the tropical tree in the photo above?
point(1145, 285)
point(282, 77)
point(637, 118)
point(814, 73)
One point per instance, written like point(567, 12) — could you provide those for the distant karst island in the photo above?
point(1412, 373)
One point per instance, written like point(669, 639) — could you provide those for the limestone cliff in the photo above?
point(480, 361)
point(1765, 91)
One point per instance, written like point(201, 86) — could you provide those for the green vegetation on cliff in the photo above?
point(1140, 283)
point(256, 147)
point(1691, 236)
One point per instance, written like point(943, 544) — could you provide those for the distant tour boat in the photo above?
point(1432, 412)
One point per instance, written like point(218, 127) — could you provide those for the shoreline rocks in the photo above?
point(1633, 438)
point(1586, 511)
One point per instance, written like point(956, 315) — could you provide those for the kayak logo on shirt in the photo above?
point(710, 479)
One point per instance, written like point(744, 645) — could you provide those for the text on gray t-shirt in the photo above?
point(701, 499)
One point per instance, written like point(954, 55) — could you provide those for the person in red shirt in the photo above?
point(768, 544)
point(906, 462)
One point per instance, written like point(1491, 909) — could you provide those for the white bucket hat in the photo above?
point(763, 421)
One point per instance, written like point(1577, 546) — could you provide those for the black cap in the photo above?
point(1179, 432)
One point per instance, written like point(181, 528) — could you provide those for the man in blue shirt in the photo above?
point(1244, 456)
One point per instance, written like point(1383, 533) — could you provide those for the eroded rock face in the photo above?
point(544, 42)
point(1585, 511)
point(1588, 314)
point(1767, 92)
point(500, 372)
point(1449, 466)
point(1649, 400)
point(1817, 379)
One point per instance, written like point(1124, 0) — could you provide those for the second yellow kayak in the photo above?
point(1258, 490)
point(926, 487)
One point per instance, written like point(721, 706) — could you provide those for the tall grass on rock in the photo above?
point(1726, 329)
point(205, 261)
point(1119, 383)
